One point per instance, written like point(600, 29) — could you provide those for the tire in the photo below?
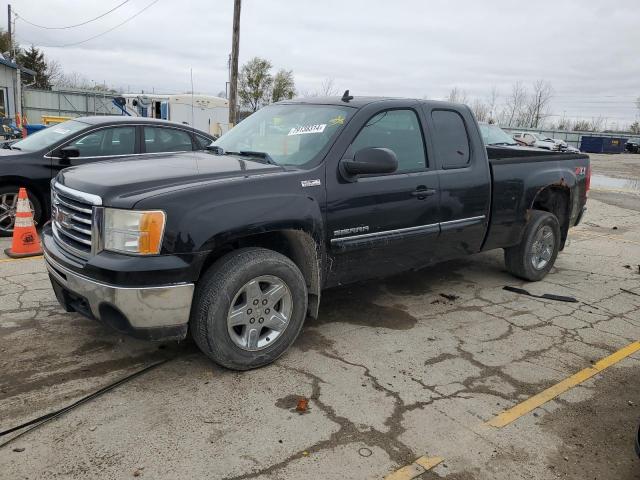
point(520, 260)
point(7, 194)
point(230, 282)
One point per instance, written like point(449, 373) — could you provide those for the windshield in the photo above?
point(290, 134)
point(49, 136)
point(494, 135)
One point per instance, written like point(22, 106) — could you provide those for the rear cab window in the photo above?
point(451, 140)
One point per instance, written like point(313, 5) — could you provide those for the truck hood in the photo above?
point(124, 181)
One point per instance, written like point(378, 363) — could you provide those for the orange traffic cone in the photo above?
point(25, 242)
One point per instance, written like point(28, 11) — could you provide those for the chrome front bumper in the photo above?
point(157, 312)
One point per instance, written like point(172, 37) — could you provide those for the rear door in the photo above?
point(465, 181)
point(382, 224)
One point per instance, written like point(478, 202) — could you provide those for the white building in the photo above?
point(10, 103)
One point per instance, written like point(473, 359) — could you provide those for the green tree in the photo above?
point(255, 83)
point(284, 87)
point(33, 59)
point(5, 41)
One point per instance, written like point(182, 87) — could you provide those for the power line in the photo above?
point(100, 34)
point(70, 26)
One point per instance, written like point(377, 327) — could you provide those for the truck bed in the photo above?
point(517, 182)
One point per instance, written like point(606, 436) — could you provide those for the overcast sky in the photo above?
point(588, 50)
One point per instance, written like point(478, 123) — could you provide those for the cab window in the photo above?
point(451, 140)
point(399, 131)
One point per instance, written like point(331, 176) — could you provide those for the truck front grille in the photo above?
point(73, 219)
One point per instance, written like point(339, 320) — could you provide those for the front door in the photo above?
point(383, 224)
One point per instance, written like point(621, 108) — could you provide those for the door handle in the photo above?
point(423, 193)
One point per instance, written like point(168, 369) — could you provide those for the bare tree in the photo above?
point(635, 128)
point(492, 102)
point(480, 110)
point(74, 81)
point(327, 88)
point(53, 71)
point(598, 124)
point(516, 100)
point(538, 105)
point(582, 126)
point(457, 95)
point(563, 123)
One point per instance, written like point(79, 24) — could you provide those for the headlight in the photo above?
point(131, 231)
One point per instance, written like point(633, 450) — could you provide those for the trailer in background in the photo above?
point(204, 112)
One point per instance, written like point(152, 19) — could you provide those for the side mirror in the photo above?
point(370, 160)
point(69, 152)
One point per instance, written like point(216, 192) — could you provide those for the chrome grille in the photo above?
point(73, 219)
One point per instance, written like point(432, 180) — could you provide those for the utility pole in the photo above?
point(235, 47)
point(9, 31)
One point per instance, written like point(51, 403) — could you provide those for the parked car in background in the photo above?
point(33, 161)
point(539, 140)
point(633, 145)
point(494, 136)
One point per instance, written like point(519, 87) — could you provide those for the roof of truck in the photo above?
point(358, 102)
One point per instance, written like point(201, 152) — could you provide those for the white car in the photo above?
point(536, 140)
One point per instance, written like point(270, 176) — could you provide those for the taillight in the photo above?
point(587, 182)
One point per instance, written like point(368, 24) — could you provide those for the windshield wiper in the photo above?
point(262, 155)
point(503, 143)
point(11, 147)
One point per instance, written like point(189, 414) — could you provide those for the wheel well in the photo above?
point(297, 245)
point(556, 200)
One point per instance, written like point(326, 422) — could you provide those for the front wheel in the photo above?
point(248, 308)
point(535, 255)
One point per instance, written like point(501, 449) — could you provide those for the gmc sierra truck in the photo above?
point(235, 245)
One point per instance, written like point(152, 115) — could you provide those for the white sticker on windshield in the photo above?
point(61, 131)
point(319, 128)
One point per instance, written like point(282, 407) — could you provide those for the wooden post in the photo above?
point(235, 47)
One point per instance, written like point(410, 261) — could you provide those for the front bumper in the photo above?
point(150, 312)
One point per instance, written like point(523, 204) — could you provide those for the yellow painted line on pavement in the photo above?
point(508, 416)
point(417, 468)
point(20, 259)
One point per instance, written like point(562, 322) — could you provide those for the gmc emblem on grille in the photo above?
point(61, 218)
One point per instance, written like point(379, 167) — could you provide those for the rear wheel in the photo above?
point(537, 252)
point(8, 204)
point(249, 307)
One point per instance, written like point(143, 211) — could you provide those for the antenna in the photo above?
point(346, 97)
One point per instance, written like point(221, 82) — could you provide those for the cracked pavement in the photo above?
point(393, 370)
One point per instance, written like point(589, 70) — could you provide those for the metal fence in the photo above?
point(572, 138)
point(65, 103)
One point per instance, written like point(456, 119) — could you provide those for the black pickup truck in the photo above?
point(235, 245)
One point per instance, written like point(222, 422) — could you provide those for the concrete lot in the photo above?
point(393, 371)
